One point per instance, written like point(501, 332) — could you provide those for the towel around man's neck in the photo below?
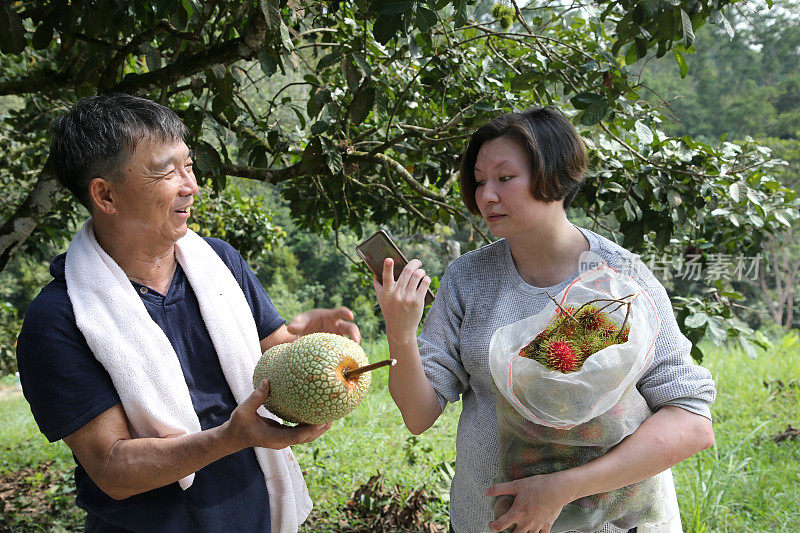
point(144, 367)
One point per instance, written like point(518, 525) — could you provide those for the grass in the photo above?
point(747, 482)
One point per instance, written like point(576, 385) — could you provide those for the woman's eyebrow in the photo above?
point(504, 162)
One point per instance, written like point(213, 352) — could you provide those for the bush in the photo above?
point(10, 324)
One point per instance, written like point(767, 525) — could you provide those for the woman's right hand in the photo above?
point(402, 301)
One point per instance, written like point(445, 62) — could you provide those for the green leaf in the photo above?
point(697, 353)
point(631, 55)
point(780, 218)
point(644, 133)
point(363, 64)
point(633, 234)
point(748, 348)
point(286, 37)
point(313, 158)
point(333, 157)
point(666, 26)
point(187, 6)
point(268, 64)
point(300, 116)
point(351, 75)
point(526, 80)
point(733, 192)
point(319, 127)
point(641, 48)
point(715, 332)
point(594, 113)
point(12, 32)
point(393, 7)
point(688, 32)
point(386, 27)
point(681, 61)
point(328, 60)
point(584, 100)
point(426, 19)
point(461, 14)
point(42, 36)
point(732, 295)
point(319, 98)
point(696, 320)
point(362, 105)
point(207, 159)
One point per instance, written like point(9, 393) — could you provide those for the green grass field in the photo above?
point(747, 482)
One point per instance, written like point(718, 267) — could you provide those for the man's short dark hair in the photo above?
point(98, 135)
point(557, 154)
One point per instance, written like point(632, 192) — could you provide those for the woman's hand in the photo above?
point(538, 501)
point(402, 301)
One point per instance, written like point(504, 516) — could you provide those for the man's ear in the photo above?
point(101, 192)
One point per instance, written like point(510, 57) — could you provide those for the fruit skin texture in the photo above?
point(305, 378)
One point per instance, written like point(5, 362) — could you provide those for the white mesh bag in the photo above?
point(551, 421)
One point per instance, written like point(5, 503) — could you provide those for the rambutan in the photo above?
point(560, 354)
point(591, 317)
point(532, 348)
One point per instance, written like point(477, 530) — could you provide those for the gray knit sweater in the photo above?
point(481, 291)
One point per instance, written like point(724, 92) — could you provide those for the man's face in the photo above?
point(156, 193)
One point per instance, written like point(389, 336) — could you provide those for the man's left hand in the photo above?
point(339, 321)
point(538, 501)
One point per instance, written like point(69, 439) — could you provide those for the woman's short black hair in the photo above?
point(98, 135)
point(557, 154)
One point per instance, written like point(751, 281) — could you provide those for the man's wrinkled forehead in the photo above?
point(177, 152)
point(158, 153)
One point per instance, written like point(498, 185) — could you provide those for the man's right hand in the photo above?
point(247, 428)
point(123, 466)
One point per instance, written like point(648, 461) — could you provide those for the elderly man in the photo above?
point(139, 354)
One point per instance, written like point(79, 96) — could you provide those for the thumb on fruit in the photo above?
point(259, 396)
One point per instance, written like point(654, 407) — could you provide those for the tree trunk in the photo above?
point(40, 201)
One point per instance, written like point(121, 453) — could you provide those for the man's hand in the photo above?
point(538, 501)
point(339, 321)
point(247, 428)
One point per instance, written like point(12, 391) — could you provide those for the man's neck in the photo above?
point(151, 266)
point(550, 254)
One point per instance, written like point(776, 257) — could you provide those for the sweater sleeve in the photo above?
point(673, 377)
point(439, 344)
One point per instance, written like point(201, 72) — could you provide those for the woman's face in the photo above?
point(502, 190)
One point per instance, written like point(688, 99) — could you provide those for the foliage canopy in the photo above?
point(358, 111)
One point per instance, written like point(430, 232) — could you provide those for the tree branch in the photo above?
point(40, 82)
point(264, 174)
point(243, 47)
point(39, 202)
point(400, 169)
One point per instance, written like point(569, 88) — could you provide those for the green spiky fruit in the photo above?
point(306, 379)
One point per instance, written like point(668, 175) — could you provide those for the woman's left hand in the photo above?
point(538, 501)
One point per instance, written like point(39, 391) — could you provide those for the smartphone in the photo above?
point(376, 249)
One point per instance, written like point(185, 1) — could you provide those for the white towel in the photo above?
point(145, 369)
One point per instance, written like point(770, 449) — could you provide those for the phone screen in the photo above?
point(377, 248)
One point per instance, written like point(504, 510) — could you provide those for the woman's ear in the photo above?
point(101, 192)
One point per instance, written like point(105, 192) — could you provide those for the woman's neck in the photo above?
point(550, 254)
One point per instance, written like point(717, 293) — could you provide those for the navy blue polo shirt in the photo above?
point(67, 387)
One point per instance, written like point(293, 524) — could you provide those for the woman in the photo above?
point(520, 172)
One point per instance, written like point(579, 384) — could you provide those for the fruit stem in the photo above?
point(367, 368)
